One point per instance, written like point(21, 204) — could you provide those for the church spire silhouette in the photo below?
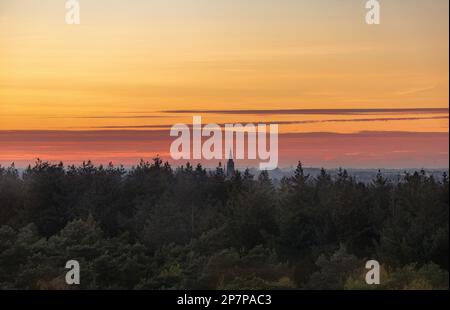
point(230, 165)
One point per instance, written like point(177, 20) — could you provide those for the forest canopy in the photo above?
point(158, 227)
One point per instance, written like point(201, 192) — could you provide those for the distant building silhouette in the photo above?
point(230, 166)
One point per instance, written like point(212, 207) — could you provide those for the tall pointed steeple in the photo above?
point(230, 165)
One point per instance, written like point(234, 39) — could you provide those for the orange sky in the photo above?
point(129, 61)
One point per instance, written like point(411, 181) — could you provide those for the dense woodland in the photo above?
point(156, 227)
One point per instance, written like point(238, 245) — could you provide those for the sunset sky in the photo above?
point(110, 88)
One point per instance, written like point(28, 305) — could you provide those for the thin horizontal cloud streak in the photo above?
point(315, 111)
point(16, 136)
point(385, 119)
point(415, 90)
point(109, 117)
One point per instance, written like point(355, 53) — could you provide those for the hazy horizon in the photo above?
point(344, 93)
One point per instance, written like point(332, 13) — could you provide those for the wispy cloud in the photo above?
point(110, 117)
point(415, 90)
point(379, 119)
point(315, 111)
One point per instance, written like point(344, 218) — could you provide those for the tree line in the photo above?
point(158, 227)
